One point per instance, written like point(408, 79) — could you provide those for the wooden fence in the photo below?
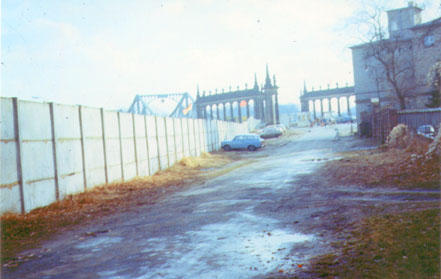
point(379, 124)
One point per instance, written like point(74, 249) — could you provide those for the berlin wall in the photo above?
point(49, 151)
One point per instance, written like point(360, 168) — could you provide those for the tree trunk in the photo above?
point(402, 102)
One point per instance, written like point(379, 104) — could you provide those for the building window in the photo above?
point(393, 26)
point(429, 41)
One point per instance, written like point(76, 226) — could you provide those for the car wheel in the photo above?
point(227, 148)
point(251, 148)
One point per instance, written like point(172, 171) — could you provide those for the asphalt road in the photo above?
point(257, 220)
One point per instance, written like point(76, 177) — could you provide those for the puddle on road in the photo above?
point(97, 243)
point(268, 245)
point(245, 246)
point(362, 148)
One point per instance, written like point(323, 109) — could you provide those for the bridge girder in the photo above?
point(184, 101)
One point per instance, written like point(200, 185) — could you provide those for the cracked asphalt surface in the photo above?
point(260, 220)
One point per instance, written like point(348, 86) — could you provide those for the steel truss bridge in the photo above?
point(184, 104)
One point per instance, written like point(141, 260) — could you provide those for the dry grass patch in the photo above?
point(405, 168)
point(20, 232)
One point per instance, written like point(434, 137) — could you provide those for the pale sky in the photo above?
point(102, 53)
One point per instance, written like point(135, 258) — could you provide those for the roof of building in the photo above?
point(411, 5)
point(435, 22)
point(388, 40)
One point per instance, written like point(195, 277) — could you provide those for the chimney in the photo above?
point(401, 20)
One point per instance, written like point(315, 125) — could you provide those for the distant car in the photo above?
point(426, 131)
point(344, 119)
point(247, 141)
point(282, 127)
point(271, 132)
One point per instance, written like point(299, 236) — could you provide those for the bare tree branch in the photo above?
point(390, 60)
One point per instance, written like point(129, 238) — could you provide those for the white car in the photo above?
point(426, 131)
point(271, 132)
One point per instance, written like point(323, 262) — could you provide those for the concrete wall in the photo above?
point(49, 151)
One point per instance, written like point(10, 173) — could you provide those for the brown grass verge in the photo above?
point(21, 232)
point(406, 168)
point(398, 243)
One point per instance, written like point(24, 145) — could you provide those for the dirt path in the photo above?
point(264, 219)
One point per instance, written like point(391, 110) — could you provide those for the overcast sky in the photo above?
point(103, 52)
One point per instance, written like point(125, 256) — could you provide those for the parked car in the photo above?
point(344, 119)
point(246, 141)
point(426, 131)
point(281, 126)
point(271, 132)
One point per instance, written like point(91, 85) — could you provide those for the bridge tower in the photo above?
point(270, 97)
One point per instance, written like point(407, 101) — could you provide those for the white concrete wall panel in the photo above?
point(162, 142)
point(212, 135)
point(153, 144)
point(37, 159)
point(69, 167)
point(223, 129)
point(201, 136)
point(216, 134)
point(10, 199)
point(179, 138)
point(227, 130)
point(30, 129)
point(67, 122)
point(185, 138)
point(92, 122)
point(141, 146)
point(70, 164)
point(38, 194)
point(193, 146)
point(207, 135)
point(197, 137)
point(128, 146)
point(171, 141)
point(8, 145)
point(113, 150)
point(94, 162)
point(71, 183)
point(93, 146)
point(38, 173)
point(9, 188)
point(7, 120)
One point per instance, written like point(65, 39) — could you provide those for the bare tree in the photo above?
point(434, 81)
point(390, 58)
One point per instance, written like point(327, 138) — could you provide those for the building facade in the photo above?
point(391, 71)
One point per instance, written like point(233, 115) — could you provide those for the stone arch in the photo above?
point(221, 108)
point(326, 107)
point(250, 108)
point(334, 104)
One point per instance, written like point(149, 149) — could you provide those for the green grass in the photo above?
point(405, 245)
